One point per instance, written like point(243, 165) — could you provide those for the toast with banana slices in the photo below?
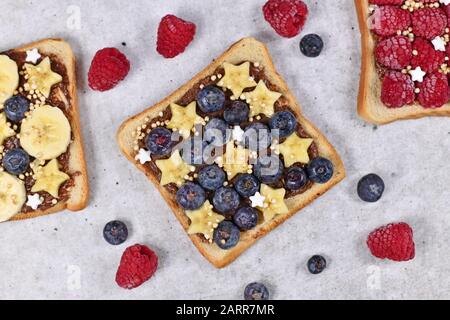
point(42, 165)
point(231, 152)
point(405, 56)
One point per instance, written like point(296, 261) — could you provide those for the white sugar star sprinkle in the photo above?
point(143, 156)
point(417, 74)
point(33, 56)
point(34, 201)
point(446, 2)
point(438, 43)
point(238, 134)
point(258, 200)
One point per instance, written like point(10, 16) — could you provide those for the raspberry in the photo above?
point(387, 20)
point(138, 264)
point(394, 53)
point(429, 22)
point(287, 17)
point(425, 57)
point(383, 2)
point(174, 35)
point(397, 89)
point(393, 241)
point(108, 68)
point(434, 90)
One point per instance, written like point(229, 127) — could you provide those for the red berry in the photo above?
point(394, 242)
point(174, 35)
point(434, 90)
point(138, 264)
point(108, 68)
point(383, 2)
point(429, 23)
point(394, 53)
point(287, 17)
point(397, 89)
point(426, 57)
point(387, 20)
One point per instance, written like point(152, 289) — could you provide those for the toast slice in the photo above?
point(370, 107)
point(73, 192)
point(246, 50)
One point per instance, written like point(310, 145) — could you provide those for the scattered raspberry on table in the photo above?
point(108, 68)
point(174, 35)
point(287, 17)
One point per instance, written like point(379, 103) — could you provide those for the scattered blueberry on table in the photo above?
point(115, 232)
point(256, 291)
point(371, 188)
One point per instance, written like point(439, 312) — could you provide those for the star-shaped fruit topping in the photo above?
point(5, 129)
point(295, 149)
point(262, 100)
point(41, 77)
point(184, 118)
point(235, 160)
point(237, 78)
point(204, 221)
point(49, 178)
point(273, 203)
point(174, 169)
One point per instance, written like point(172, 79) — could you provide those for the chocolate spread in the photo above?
point(53, 100)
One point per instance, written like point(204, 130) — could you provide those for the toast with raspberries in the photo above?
point(231, 152)
point(405, 57)
point(42, 161)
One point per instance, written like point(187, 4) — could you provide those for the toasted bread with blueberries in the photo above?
point(42, 163)
point(413, 84)
point(227, 199)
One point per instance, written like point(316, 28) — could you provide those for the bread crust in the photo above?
point(370, 107)
point(79, 193)
point(247, 49)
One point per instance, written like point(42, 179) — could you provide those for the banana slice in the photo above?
point(5, 129)
point(9, 78)
point(12, 196)
point(46, 133)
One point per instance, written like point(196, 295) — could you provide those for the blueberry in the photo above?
point(216, 131)
point(320, 170)
point(247, 185)
point(159, 141)
point(311, 45)
point(227, 235)
point(285, 122)
point(211, 99)
point(236, 112)
point(316, 264)
point(268, 169)
point(371, 188)
point(191, 196)
point(226, 200)
point(211, 177)
point(256, 291)
point(16, 107)
point(193, 151)
point(246, 218)
point(16, 161)
point(257, 136)
point(115, 232)
point(295, 178)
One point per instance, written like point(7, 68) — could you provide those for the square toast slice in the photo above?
point(73, 194)
point(370, 107)
point(246, 50)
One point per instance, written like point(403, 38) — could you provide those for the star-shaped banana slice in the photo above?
point(49, 178)
point(237, 78)
point(5, 129)
point(273, 203)
point(235, 160)
point(174, 169)
point(295, 149)
point(262, 100)
point(184, 118)
point(204, 221)
point(41, 77)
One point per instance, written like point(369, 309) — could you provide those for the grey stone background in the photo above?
point(43, 258)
